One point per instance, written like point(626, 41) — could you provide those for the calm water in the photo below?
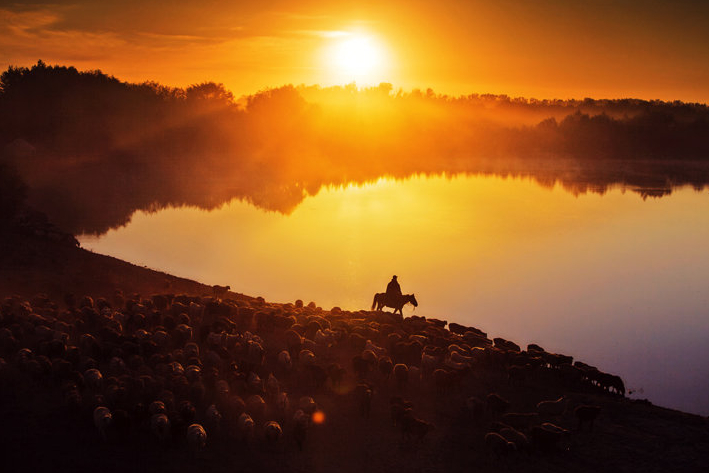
point(616, 280)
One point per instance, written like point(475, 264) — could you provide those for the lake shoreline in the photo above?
point(626, 438)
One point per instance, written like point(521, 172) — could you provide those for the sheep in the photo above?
point(160, 427)
point(398, 408)
point(306, 358)
point(196, 439)
point(321, 338)
point(301, 422)
point(458, 357)
point(307, 404)
point(102, 421)
point(401, 375)
point(336, 374)
point(282, 404)
point(517, 374)
point(255, 353)
point(284, 361)
point(360, 366)
point(370, 357)
point(256, 407)
point(475, 408)
point(363, 394)
point(272, 387)
point(254, 383)
point(157, 407)
point(377, 350)
point(220, 291)
point(245, 427)
point(445, 380)
point(496, 404)
point(413, 428)
point(187, 412)
point(616, 383)
point(212, 419)
point(586, 414)
point(570, 375)
point(429, 363)
point(293, 340)
point(552, 408)
point(516, 437)
point(547, 437)
point(272, 432)
point(386, 367)
point(93, 379)
point(497, 446)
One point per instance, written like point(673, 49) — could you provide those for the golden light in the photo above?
point(357, 57)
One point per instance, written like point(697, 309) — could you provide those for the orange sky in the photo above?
point(543, 48)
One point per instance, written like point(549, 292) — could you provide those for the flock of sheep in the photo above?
point(186, 371)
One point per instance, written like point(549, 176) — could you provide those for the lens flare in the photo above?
point(318, 417)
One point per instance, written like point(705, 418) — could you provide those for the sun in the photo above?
point(357, 57)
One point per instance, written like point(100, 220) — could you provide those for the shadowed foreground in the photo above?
point(141, 346)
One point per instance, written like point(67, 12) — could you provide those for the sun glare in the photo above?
point(359, 58)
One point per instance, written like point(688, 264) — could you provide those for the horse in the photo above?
point(382, 300)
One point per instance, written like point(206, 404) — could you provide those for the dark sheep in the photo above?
point(386, 367)
point(363, 395)
point(586, 414)
point(497, 446)
point(496, 404)
point(413, 429)
point(401, 375)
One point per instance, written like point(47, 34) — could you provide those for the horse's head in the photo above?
point(412, 299)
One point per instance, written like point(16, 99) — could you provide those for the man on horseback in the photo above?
point(393, 298)
point(393, 292)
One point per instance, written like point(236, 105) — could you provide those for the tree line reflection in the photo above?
point(88, 150)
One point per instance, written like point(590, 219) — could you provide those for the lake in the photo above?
point(615, 278)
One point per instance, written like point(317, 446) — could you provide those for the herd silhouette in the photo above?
point(201, 373)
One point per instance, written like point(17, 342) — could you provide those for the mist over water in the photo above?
point(615, 278)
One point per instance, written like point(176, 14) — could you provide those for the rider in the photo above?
point(393, 289)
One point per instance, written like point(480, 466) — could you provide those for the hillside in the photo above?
point(140, 343)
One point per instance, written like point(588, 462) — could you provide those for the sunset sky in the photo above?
point(544, 49)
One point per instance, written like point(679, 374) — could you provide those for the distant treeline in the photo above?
point(92, 149)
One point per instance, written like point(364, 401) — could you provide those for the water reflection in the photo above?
point(613, 278)
point(115, 194)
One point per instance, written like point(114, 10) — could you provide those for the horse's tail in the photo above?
point(374, 302)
